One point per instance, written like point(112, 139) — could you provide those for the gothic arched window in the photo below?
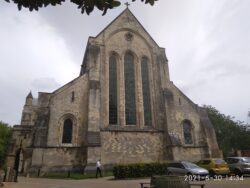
point(67, 131)
point(146, 92)
point(129, 74)
point(112, 89)
point(187, 131)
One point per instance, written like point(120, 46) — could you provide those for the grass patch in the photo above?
point(75, 176)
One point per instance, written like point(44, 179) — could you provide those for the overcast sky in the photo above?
point(207, 43)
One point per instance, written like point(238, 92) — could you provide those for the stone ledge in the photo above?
point(23, 127)
point(202, 146)
point(131, 129)
point(51, 147)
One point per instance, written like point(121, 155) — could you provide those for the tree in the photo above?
point(231, 134)
point(5, 136)
point(85, 5)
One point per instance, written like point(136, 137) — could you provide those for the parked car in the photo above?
point(215, 166)
point(239, 165)
point(185, 168)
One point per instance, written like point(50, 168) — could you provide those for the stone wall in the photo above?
point(131, 147)
point(192, 154)
point(209, 134)
point(58, 159)
point(69, 101)
point(94, 154)
point(180, 108)
point(140, 49)
point(85, 100)
point(96, 61)
point(141, 45)
point(170, 107)
point(62, 106)
point(29, 114)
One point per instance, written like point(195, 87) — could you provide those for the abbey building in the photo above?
point(122, 108)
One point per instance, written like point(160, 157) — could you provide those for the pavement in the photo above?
point(109, 182)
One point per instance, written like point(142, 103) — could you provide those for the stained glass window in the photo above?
point(146, 92)
point(187, 130)
point(112, 90)
point(129, 73)
point(67, 131)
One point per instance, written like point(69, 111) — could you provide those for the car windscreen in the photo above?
point(246, 159)
point(176, 165)
point(190, 165)
point(219, 161)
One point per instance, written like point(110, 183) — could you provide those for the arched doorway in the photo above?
point(19, 161)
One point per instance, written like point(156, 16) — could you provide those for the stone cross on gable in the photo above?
point(127, 4)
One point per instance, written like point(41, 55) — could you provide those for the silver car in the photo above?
point(186, 168)
point(239, 165)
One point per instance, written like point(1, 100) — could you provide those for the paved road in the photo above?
point(107, 182)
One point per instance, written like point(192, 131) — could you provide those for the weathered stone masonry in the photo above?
point(70, 129)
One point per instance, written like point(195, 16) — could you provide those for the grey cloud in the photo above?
point(75, 27)
point(207, 44)
point(45, 84)
point(187, 87)
point(226, 68)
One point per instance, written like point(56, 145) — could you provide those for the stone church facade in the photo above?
point(122, 108)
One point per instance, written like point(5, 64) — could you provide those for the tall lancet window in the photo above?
point(146, 92)
point(187, 131)
point(129, 74)
point(112, 90)
point(67, 131)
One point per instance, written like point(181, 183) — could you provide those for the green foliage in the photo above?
point(231, 135)
point(139, 170)
point(85, 5)
point(5, 136)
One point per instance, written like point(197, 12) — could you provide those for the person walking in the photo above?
point(98, 168)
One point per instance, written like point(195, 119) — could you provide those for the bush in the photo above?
point(5, 136)
point(74, 175)
point(138, 170)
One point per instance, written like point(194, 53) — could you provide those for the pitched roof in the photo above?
point(125, 13)
point(128, 12)
point(29, 95)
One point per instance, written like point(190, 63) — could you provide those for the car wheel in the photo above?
point(238, 172)
point(169, 173)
